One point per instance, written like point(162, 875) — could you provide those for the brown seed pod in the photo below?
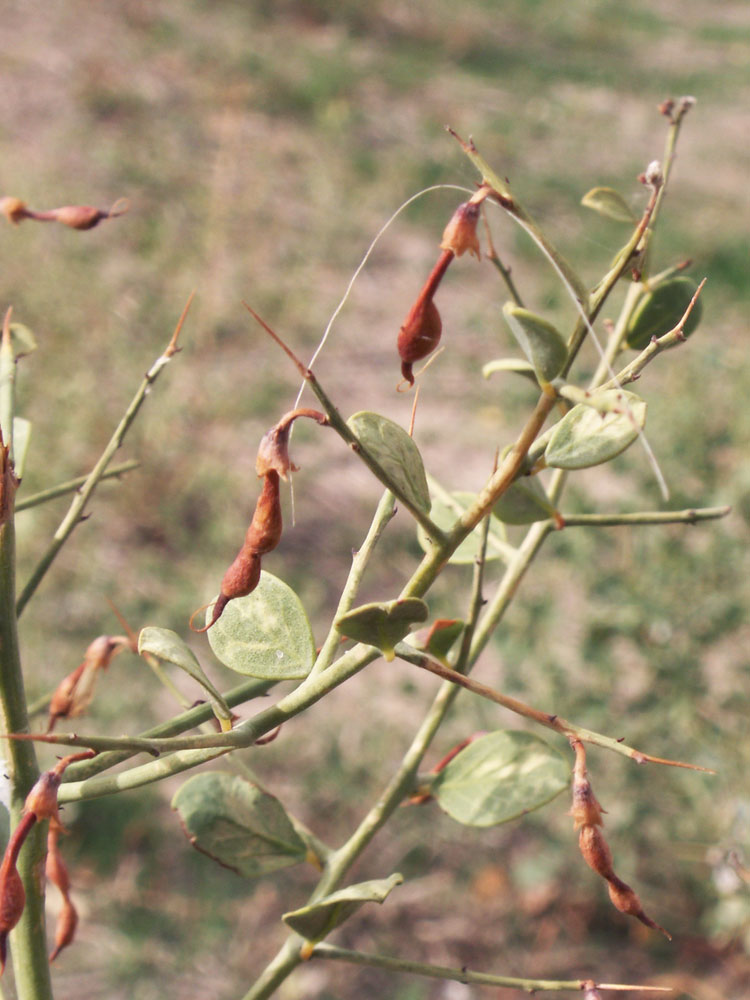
point(12, 893)
point(14, 210)
point(75, 692)
point(264, 533)
point(595, 851)
point(79, 216)
point(419, 336)
point(273, 451)
point(67, 922)
point(626, 901)
point(460, 234)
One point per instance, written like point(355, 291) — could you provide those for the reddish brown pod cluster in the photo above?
point(264, 534)
point(587, 816)
point(74, 693)
point(40, 804)
point(421, 330)
point(73, 216)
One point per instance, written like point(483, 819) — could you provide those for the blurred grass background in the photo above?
point(262, 145)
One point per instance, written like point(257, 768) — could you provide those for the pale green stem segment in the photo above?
point(77, 508)
point(62, 489)
point(28, 940)
point(466, 976)
point(383, 514)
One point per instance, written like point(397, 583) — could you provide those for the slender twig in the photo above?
point(466, 976)
point(568, 729)
point(77, 508)
point(383, 514)
point(62, 489)
point(691, 515)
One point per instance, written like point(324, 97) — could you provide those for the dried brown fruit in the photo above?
point(57, 873)
point(460, 234)
point(626, 901)
point(14, 210)
point(273, 451)
point(12, 893)
point(264, 533)
point(75, 692)
point(595, 851)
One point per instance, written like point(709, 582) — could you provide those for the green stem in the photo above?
point(690, 516)
point(383, 514)
point(62, 489)
point(28, 940)
point(464, 975)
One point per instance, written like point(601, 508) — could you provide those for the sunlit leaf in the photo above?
point(540, 341)
point(383, 624)
point(661, 310)
point(266, 634)
point(606, 201)
point(499, 777)
point(396, 453)
point(237, 824)
point(316, 921)
point(168, 647)
point(585, 436)
point(516, 365)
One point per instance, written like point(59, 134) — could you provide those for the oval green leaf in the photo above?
point(499, 777)
point(266, 634)
point(606, 201)
point(540, 341)
point(661, 310)
point(515, 365)
point(316, 921)
point(524, 502)
point(445, 512)
point(169, 647)
point(396, 453)
point(439, 638)
point(588, 436)
point(383, 624)
point(237, 824)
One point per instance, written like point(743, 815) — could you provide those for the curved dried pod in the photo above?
point(67, 922)
point(264, 533)
point(86, 216)
point(595, 851)
point(460, 234)
point(57, 873)
point(626, 901)
point(75, 692)
point(12, 892)
point(240, 579)
point(273, 451)
point(419, 336)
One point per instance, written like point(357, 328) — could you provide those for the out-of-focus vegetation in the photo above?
point(261, 146)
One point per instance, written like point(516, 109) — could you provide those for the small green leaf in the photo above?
point(445, 514)
point(540, 341)
point(516, 365)
point(661, 310)
point(22, 340)
point(585, 436)
point(499, 777)
point(21, 436)
point(237, 824)
point(524, 502)
point(383, 624)
point(606, 201)
point(395, 452)
point(266, 634)
point(316, 921)
point(167, 646)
